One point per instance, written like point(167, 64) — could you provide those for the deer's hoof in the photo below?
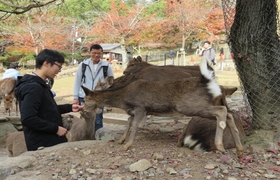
point(239, 153)
point(126, 147)
point(221, 148)
point(121, 140)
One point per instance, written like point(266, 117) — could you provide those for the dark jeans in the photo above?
point(99, 117)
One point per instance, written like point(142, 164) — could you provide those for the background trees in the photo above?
point(72, 25)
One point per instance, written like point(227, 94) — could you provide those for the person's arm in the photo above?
point(110, 71)
point(29, 107)
point(66, 108)
point(77, 84)
point(200, 51)
point(212, 54)
point(17, 74)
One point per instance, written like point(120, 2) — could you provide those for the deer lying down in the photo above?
point(194, 96)
point(15, 142)
point(199, 134)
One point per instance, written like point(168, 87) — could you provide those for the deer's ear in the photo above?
point(227, 91)
point(139, 59)
point(110, 80)
point(87, 91)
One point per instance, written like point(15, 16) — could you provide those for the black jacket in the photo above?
point(40, 115)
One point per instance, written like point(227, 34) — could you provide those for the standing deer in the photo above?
point(7, 86)
point(137, 64)
point(194, 96)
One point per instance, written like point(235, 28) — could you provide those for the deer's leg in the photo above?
point(221, 115)
point(142, 123)
point(182, 136)
point(16, 107)
point(235, 134)
point(139, 115)
point(151, 119)
point(128, 125)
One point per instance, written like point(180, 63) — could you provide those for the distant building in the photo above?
point(112, 52)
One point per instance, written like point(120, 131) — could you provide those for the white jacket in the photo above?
point(10, 73)
point(91, 76)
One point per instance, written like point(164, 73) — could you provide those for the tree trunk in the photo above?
point(255, 46)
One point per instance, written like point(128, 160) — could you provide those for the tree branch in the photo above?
point(11, 8)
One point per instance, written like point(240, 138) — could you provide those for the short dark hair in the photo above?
point(14, 65)
point(96, 46)
point(208, 42)
point(50, 56)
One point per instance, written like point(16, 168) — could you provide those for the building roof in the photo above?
point(114, 48)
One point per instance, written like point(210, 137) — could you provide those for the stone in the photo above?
point(5, 128)
point(140, 165)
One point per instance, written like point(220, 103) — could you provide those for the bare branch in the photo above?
point(12, 8)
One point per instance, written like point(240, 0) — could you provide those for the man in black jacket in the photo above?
point(40, 115)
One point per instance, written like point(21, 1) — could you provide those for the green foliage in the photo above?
point(3, 58)
point(68, 57)
point(130, 2)
point(157, 7)
point(84, 9)
point(26, 57)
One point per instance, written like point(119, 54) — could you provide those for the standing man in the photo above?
point(39, 113)
point(12, 71)
point(171, 55)
point(208, 52)
point(89, 72)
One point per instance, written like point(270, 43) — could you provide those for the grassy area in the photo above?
point(64, 88)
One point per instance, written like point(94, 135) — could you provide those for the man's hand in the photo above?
point(61, 131)
point(76, 101)
point(76, 107)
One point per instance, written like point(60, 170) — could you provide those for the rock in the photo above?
point(209, 166)
point(5, 128)
point(231, 178)
point(270, 176)
point(15, 120)
point(141, 165)
point(107, 134)
point(158, 156)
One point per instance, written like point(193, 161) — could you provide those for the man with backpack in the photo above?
point(208, 52)
point(89, 72)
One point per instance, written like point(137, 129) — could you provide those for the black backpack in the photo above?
point(105, 69)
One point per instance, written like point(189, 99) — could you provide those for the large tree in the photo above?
point(119, 24)
point(256, 49)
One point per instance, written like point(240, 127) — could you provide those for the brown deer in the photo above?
point(15, 142)
point(7, 90)
point(83, 128)
point(199, 133)
point(137, 64)
point(194, 96)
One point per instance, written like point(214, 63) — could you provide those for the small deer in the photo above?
point(7, 86)
point(15, 141)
